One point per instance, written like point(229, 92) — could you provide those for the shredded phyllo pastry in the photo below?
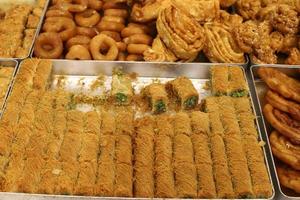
point(116, 150)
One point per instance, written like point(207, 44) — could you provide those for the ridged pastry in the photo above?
point(220, 46)
point(284, 150)
point(283, 123)
point(288, 177)
point(180, 33)
point(229, 21)
point(202, 10)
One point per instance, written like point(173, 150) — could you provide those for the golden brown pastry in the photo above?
point(264, 54)
point(202, 10)
point(248, 8)
point(284, 150)
point(289, 42)
point(180, 33)
point(227, 3)
point(281, 83)
point(220, 45)
point(229, 20)
point(285, 19)
point(283, 123)
point(159, 52)
point(265, 13)
point(288, 177)
point(276, 40)
point(294, 57)
point(283, 104)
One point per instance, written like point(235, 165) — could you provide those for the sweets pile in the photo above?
point(18, 25)
point(282, 111)
point(6, 74)
point(115, 152)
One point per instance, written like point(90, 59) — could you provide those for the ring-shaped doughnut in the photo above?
point(128, 31)
point(116, 12)
point(90, 32)
point(113, 19)
point(48, 45)
point(145, 28)
point(62, 25)
point(95, 4)
point(121, 46)
point(78, 52)
point(112, 5)
point(78, 40)
point(121, 56)
point(134, 57)
point(114, 35)
point(138, 39)
point(110, 26)
point(54, 2)
point(59, 13)
point(137, 48)
point(76, 6)
point(87, 18)
point(96, 44)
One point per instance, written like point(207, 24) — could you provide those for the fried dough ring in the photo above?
point(114, 35)
point(289, 178)
point(137, 48)
point(121, 56)
point(65, 27)
point(78, 40)
point(145, 28)
point(113, 5)
point(95, 4)
point(87, 18)
point(90, 32)
point(283, 123)
point(78, 52)
point(110, 26)
point(128, 31)
point(138, 39)
point(48, 39)
point(76, 6)
point(281, 83)
point(121, 46)
point(282, 104)
point(114, 19)
point(97, 43)
point(59, 13)
point(284, 150)
point(116, 12)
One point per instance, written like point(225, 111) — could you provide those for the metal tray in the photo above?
point(36, 32)
point(259, 91)
point(87, 71)
point(8, 63)
point(201, 58)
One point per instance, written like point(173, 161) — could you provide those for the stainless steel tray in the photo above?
point(8, 63)
point(36, 32)
point(259, 91)
point(87, 71)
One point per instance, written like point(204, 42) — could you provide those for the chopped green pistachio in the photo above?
point(191, 102)
point(121, 98)
point(239, 93)
point(160, 107)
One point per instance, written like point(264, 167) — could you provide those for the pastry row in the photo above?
point(6, 75)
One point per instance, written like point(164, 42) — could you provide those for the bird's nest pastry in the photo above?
point(283, 123)
point(283, 149)
point(180, 33)
point(221, 46)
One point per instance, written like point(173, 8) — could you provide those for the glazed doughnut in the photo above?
point(110, 26)
point(114, 19)
point(76, 6)
point(59, 13)
point(90, 32)
point(46, 40)
point(78, 40)
point(128, 31)
point(95, 4)
point(137, 48)
point(116, 12)
point(112, 5)
point(145, 28)
point(87, 18)
point(78, 52)
point(96, 44)
point(114, 35)
point(62, 25)
point(121, 46)
point(134, 57)
point(121, 56)
point(138, 39)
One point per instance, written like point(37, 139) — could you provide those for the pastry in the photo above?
point(248, 8)
point(288, 177)
point(294, 57)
